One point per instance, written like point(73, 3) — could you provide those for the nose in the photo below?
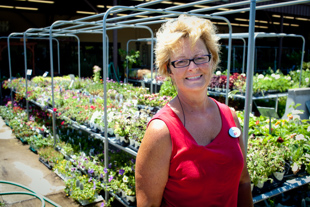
point(192, 65)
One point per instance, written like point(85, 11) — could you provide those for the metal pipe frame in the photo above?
point(25, 52)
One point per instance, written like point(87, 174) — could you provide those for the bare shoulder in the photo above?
point(157, 135)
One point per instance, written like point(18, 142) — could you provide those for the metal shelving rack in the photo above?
point(101, 23)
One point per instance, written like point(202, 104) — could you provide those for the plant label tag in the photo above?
point(29, 72)
point(234, 132)
point(45, 74)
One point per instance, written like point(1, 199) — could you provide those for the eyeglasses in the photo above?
point(197, 60)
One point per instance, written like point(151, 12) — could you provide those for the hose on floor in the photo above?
point(31, 193)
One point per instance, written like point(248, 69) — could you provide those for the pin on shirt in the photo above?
point(234, 132)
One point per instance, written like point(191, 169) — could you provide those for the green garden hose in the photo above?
point(42, 198)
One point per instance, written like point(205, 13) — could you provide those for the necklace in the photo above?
point(182, 109)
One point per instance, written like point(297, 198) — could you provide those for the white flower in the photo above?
point(277, 76)
point(288, 78)
point(298, 71)
point(300, 137)
point(307, 80)
point(243, 74)
point(260, 76)
point(125, 179)
point(308, 129)
point(273, 75)
point(218, 73)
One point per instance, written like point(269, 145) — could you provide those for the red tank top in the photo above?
point(202, 175)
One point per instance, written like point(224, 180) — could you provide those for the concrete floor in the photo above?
point(20, 165)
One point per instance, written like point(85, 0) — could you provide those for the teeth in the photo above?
point(194, 77)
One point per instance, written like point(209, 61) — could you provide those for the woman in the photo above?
point(192, 151)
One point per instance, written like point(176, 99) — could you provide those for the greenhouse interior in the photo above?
point(79, 86)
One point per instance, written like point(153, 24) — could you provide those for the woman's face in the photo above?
point(193, 77)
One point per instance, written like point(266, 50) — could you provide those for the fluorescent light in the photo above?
point(100, 6)
point(234, 24)
point(261, 27)
point(277, 23)
point(40, 1)
point(276, 16)
point(243, 25)
point(295, 25)
point(223, 9)
point(141, 16)
point(26, 8)
point(261, 21)
point(85, 12)
point(302, 19)
point(240, 19)
point(201, 6)
point(166, 2)
point(286, 24)
point(6, 7)
point(222, 23)
point(288, 17)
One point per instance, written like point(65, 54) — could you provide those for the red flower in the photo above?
point(54, 109)
point(280, 140)
point(63, 122)
point(93, 107)
point(257, 122)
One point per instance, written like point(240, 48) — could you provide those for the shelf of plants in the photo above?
point(269, 148)
point(85, 109)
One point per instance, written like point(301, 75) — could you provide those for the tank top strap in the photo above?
point(225, 112)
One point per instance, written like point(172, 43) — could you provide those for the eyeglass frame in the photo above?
point(191, 60)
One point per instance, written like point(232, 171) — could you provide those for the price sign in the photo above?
point(29, 72)
point(45, 74)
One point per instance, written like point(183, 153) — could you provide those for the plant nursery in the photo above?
point(88, 130)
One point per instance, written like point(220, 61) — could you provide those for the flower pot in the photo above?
point(117, 138)
point(260, 184)
point(124, 142)
point(278, 175)
point(131, 199)
point(132, 143)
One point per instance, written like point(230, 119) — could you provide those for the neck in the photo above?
point(194, 102)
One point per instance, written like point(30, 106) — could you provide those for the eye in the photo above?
point(181, 62)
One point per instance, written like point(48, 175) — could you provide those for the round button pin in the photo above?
point(234, 132)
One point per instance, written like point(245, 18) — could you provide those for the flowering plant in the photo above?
point(96, 75)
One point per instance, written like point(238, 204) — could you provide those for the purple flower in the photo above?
point(90, 179)
point(102, 204)
point(105, 170)
point(94, 185)
point(121, 171)
point(72, 169)
point(110, 178)
point(101, 175)
point(90, 171)
point(110, 165)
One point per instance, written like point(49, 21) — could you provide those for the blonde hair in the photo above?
point(192, 27)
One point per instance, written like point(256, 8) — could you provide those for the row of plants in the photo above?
point(279, 154)
point(83, 169)
point(262, 83)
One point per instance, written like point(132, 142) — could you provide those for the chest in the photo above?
point(204, 129)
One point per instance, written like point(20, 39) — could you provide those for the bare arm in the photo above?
point(152, 164)
point(244, 194)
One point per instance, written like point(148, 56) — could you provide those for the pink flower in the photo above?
point(54, 109)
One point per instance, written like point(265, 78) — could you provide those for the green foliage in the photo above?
point(168, 89)
point(132, 58)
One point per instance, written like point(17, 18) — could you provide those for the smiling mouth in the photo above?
point(192, 78)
